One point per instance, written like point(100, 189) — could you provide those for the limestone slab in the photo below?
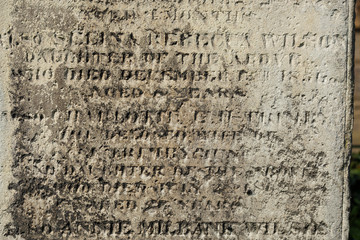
point(175, 119)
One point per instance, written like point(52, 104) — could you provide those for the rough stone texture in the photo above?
point(175, 119)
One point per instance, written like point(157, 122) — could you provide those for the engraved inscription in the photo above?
point(183, 119)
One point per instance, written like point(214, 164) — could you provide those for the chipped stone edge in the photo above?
point(6, 126)
point(349, 118)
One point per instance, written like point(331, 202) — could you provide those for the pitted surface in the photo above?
point(183, 119)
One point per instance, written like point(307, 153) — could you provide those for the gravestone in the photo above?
point(175, 119)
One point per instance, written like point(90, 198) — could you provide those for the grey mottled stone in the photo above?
point(175, 119)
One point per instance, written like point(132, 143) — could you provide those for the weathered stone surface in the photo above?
point(182, 119)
